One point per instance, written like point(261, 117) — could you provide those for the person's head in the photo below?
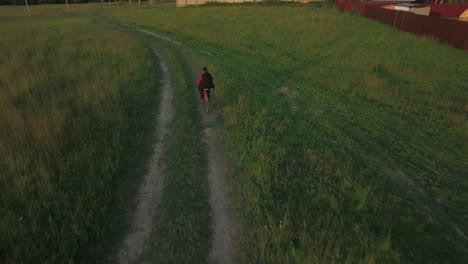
point(205, 69)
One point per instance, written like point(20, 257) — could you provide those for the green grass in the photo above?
point(313, 173)
point(73, 101)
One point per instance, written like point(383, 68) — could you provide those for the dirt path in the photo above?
point(223, 248)
point(153, 34)
point(150, 189)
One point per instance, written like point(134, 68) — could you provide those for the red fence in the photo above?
point(448, 10)
point(349, 6)
point(444, 10)
point(450, 31)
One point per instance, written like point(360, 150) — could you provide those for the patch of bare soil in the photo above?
point(285, 92)
point(149, 192)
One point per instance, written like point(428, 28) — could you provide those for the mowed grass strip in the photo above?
point(318, 175)
point(182, 228)
point(73, 103)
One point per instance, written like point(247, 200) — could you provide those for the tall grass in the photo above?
point(71, 104)
point(317, 175)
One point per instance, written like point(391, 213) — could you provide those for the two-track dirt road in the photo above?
point(224, 228)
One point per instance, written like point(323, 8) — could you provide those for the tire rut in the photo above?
point(223, 249)
point(150, 189)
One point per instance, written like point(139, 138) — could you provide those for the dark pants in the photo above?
point(207, 93)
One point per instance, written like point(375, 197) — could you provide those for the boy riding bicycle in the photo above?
point(205, 82)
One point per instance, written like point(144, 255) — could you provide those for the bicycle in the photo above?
point(206, 99)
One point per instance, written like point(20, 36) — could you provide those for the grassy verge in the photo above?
point(73, 104)
point(316, 173)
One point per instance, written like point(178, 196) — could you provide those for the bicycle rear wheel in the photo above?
point(207, 101)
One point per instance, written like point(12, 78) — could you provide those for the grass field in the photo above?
point(73, 102)
point(364, 162)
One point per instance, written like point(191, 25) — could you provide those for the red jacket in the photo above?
point(205, 81)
